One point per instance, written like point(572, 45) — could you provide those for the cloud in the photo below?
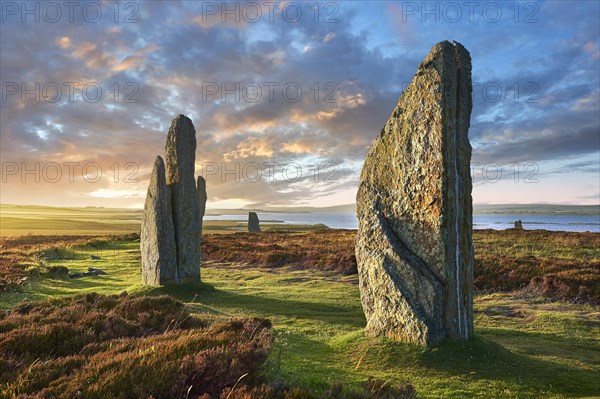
point(93, 56)
point(251, 146)
point(119, 193)
point(173, 52)
point(586, 167)
point(132, 62)
point(64, 42)
point(219, 19)
point(328, 37)
point(299, 147)
point(541, 145)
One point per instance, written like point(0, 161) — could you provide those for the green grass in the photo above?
point(523, 348)
point(120, 260)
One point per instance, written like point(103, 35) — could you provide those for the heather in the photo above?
point(60, 336)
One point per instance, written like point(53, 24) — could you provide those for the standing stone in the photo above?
point(414, 247)
point(253, 223)
point(157, 237)
point(180, 159)
point(201, 189)
point(519, 225)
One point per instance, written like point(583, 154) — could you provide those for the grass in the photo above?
point(538, 243)
point(524, 347)
point(559, 265)
point(118, 256)
point(556, 264)
point(319, 333)
point(97, 346)
point(322, 250)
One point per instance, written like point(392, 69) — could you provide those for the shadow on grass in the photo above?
point(482, 358)
point(483, 361)
point(549, 344)
point(208, 295)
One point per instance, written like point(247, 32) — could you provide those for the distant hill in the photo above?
point(537, 209)
point(487, 209)
point(533, 209)
point(347, 208)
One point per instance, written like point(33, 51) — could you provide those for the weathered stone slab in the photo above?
point(253, 223)
point(414, 247)
point(180, 165)
point(157, 236)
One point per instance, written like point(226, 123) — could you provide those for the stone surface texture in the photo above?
point(253, 223)
point(180, 165)
point(201, 189)
point(157, 235)
point(414, 245)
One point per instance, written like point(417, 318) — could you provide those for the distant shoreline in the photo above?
point(44, 220)
point(539, 209)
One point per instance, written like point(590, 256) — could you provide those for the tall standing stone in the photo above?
point(201, 189)
point(253, 223)
point(180, 159)
point(157, 237)
point(414, 247)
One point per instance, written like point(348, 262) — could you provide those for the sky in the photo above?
point(287, 96)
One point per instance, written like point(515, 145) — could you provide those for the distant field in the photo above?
point(22, 220)
point(44, 220)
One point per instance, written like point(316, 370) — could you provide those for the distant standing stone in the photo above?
point(253, 223)
point(519, 225)
point(157, 237)
point(414, 246)
point(180, 165)
point(201, 188)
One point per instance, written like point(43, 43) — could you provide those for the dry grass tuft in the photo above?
point(325, 250)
